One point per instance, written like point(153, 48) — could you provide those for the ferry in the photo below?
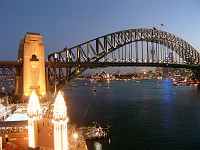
point(137, 81)
point(94, 89)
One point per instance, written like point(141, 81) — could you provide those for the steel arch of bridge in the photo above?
point(134, 47)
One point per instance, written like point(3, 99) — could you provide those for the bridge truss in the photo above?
point(10, 68)
point(134, 47)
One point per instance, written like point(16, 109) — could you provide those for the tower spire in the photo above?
point(33, 117)
point(60, 123)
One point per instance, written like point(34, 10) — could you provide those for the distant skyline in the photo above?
point(69, 23)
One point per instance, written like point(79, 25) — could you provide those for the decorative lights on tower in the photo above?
point(33, 117)
point(60, 123)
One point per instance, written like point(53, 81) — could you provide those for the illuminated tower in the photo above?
point(33, 117)
point(60, 123)
point(31, 54)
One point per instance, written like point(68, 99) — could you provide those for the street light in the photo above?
point(75, 135)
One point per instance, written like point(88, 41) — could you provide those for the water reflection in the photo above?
point(97, 146)
point(167, 90)
point(197, 87)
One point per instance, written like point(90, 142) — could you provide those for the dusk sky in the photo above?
point(65, 23)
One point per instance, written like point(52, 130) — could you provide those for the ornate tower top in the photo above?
point(33, 105)
point(60, 109)
point(60, 123)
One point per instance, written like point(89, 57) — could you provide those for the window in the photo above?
point(34, 58)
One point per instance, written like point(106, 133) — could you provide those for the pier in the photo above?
point(94, 132)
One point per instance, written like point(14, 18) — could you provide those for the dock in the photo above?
point(93, 132)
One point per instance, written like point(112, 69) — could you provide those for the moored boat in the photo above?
point(181, 83)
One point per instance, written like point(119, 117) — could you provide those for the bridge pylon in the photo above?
point(32, 76)
point(196, 71)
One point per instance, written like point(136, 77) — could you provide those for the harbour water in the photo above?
point(142, 115)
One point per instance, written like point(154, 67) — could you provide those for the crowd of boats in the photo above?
point(184, 82)
point(175, 82)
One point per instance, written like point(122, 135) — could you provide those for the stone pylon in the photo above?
point(32, 76)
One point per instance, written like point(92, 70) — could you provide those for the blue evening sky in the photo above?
point(66, 23)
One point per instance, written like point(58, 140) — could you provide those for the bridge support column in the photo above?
point(17, 93)
point(17, 78)
point(196, 71)
point(31, 52)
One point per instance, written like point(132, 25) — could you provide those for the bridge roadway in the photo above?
point(10, 64)
point(48, 64)
point(115, 64)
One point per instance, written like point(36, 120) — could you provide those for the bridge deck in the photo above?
point(10, 64)
point(114, 64)
point(48, 64)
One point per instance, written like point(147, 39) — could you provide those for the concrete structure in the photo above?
point(31, 53)
point(37, 126)
point(46, 129)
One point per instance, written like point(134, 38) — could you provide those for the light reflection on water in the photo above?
point(97, 146)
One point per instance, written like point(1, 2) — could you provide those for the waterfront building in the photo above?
point(60, 134)
point(159, 70)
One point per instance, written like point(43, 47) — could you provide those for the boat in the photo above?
point(73, 84)
point(180, 83)
point(158, 83)
point(85, 84)
point(94, 89)
point(137, 81)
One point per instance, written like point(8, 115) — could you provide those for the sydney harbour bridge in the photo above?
point(134, 47)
